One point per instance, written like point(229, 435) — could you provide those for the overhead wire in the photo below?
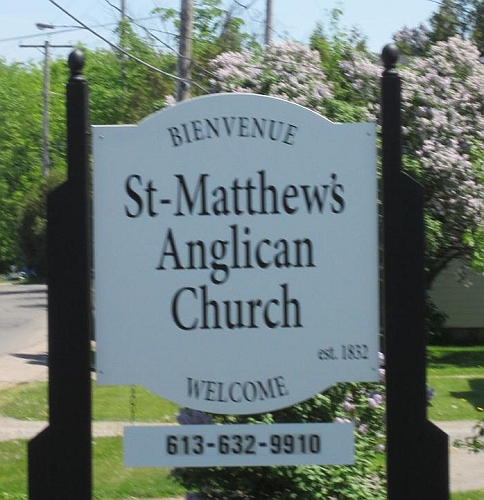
point(122, 51)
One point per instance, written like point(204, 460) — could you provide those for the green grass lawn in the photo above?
point(111, 479)
point(457, 376)
point(455, 360)
point(468, 495)
point(112, 403)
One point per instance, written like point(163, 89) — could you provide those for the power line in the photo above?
point(70, 30)
point(149, 32)
point(120, 49)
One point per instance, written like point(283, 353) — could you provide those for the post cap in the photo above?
point(76, 62)
point(390, 56)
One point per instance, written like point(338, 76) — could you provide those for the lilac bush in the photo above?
point(289, 70)
point(361, 404)
point(443, 125)
point(413, 41)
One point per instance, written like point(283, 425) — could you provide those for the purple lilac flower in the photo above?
point(187, 416)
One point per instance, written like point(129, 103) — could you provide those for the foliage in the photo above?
point(443, 124)
point(413, 41)
point(474, 443)
point(362, 404)
point(20, 153)
point(289, 71)
point(21, 145)
point(111, 479)
point(334, 45)
point(458, 17)
point(111, 403)
point(122, 90)
point(215, 30)
point(453, 17)
point(33, 224)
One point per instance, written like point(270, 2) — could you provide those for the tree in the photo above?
point(215, 30)
point(334, 45)
point(459, 17)
point(20, 149)
point(33, 225)
point(443, 123)
point(413, 41)
point(290, 71)
point(453, 17)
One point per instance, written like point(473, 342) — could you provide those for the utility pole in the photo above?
point(46, 94)
point(268, 31)
point(121, 43)
point(185, 52)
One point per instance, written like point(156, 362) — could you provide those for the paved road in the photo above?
point(23, 317)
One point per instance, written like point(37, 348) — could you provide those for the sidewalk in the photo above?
point(466, 469)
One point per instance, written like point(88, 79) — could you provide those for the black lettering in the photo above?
point(237, 391)
point(149, 191)
point(258, 128)
point(231, 392)
point(339, 205)
point(208, 305)
point(275, 130)
point(134, 196)
point(296, 309)
point(316, 198)
point(281, 387)
point(210, 385)
point(264, 190)
point(187, 135)
point(175, 310)
point(267, 319)
point(252, 395)
point(243, 126)
point(212, 128)
point(169, 249)
point(220, 204)
point(197, 130)
point(289, 193)
point(218, 251)
point(290, 134)
point(194, 388)
point(191, 199)
point(309, 261)
point(176, 138)
point(229, 126)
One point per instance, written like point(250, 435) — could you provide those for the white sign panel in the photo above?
point(239, 445)
point(236, 255)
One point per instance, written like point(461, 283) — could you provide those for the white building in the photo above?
point(462, 301)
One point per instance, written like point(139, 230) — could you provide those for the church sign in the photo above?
point(236, 253)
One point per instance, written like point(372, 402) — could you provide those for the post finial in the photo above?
point(390, 57)
point(76, 62)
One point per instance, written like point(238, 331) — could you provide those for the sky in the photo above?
point(377, 19)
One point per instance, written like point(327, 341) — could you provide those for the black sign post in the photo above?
point(60, 456)
point(417, 451)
